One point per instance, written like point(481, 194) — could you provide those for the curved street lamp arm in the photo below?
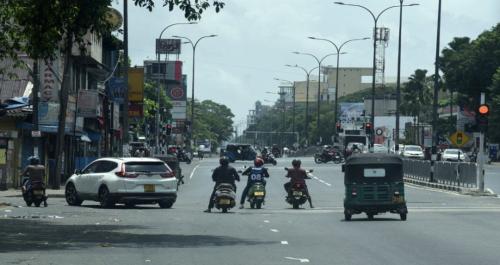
point(328, 55)
point(351, 40)
point(365, 8)
point(381, 12)
point(208, 36)
point(180, 23)
point(186, 38)
point(310, 71)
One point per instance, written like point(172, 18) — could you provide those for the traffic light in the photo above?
point(339, 127)
point(168, 130)
point(482, 119)
point(368, 128)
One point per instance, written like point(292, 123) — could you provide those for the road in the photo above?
point(442, 228)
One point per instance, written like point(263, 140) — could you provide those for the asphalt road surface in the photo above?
point(442, 228)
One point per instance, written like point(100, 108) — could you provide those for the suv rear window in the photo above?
point(146, 167)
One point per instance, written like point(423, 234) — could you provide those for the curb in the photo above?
point(461, 190)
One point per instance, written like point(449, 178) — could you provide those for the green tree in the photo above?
point(213, 121)
point(192, 9)
point(417, 96)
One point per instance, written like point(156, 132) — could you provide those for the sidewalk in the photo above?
point(7, 196)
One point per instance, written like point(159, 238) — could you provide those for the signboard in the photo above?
point(136, 84)
point(459, 138)
point(36, 134)
point(48, 113)
point(351, 112)
point(179, 110)
point(50, 77)
point(168, 46)
point(135, 109)
point(169, 70)
point(116, 89)
point(116, 117)
point(88, 103)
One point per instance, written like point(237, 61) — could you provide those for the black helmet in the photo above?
point(296, 163)
point(224, 161)
point(33, 160)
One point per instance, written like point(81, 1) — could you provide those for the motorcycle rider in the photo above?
point(222, 174)
point(33, 172)
point(257, 173)
point(297, 175)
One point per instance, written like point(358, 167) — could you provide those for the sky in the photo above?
point(256, 39)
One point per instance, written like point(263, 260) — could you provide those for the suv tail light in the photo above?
point(167, 175)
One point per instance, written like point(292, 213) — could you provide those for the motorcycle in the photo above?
point(225, 197)
point(297, 194)
point(269, 159)
point(326, 157)
point(183, 157)
point(256, 195)
point(34, 193)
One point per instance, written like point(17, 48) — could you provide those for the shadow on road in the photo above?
point(28, 235)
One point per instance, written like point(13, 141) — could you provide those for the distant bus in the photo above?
point(204, 146)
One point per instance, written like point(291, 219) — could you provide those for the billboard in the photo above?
point(164, 70)
point(179, 110)
point(168, 46)
point(116, 89)
point(135, 110)
point(50, 80)
point(352, 112)
point(88, 103)
point(136, 84)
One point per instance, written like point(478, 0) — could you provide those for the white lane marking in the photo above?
point(320, 180)
point(274, 230)
point(266, 221)
point(192, 172)
point(284, 242)
point(298, 259)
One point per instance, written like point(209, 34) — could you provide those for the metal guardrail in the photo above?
point(460, 174)
point(417, 169)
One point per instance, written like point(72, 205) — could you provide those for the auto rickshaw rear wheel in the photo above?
point(403, 216)
point(347, 216)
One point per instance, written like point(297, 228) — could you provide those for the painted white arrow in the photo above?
point(298, 259)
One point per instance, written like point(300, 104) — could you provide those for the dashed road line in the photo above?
point(274, 230)
point(266, 221)
point(302, 260)
point(284, 242)
point(320, 180)
point(192, 172)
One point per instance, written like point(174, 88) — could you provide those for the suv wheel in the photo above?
point(166, 204)
point(72, 195)
point(105, 198)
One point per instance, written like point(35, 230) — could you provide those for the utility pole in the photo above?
point(125, 73)
point(480, 165)
point(34, 93)
point(435, 103)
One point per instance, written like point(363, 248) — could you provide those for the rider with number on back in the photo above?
point(297, 175)
point(222, 174)
point(257, 173)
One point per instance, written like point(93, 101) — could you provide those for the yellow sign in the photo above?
point(459, 138)
point(3, 158)
point(136, 84)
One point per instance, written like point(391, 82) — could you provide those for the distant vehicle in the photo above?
point(455, 155)
point(400, 150)
point(239, 152)
point(413, 151)
point(379, 148)
point(130, 180)
point(354, 147)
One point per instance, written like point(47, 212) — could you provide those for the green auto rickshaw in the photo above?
point(374, 184)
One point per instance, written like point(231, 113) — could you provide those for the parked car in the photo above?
point(400, 150)
point(131, 180)
point(455, 155)
point(413, 151)
point(380, 148)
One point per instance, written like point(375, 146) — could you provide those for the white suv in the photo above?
point(128, 180)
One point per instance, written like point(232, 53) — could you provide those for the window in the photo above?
point(374, 172)
point(146, 167)
point(92, 168)
point(106, 166)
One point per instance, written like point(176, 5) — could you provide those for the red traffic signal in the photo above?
point(484, 109)
point(168, 129)
point(368, 128)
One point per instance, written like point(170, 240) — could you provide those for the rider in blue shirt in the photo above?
point(257, 173)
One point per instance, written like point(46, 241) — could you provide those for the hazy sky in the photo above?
point(256, 38)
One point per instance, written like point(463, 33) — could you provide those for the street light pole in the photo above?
point(338, 49)
point(375, 20)
point(319, 61)
point(435, 101)
point(158, 83)
point(193, 45)
point(308, 73)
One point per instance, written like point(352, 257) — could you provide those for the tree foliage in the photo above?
point(417, 95)
point(192, 9)
point(213, 121)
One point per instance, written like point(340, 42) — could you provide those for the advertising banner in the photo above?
point(164, 70)
point(168, 46)
point(50, 80)
point(136, 84)
point(351, 112)
point(116, 117)
point(88, 103)
point(116, 89)
point(179, 110)
point(135, 110)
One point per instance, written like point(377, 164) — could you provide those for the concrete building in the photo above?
point(351, 79)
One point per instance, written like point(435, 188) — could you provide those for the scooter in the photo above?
point(34, 193)
point(269, 159)
point(225, 197)
point(256, 195)
point(297, 194)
